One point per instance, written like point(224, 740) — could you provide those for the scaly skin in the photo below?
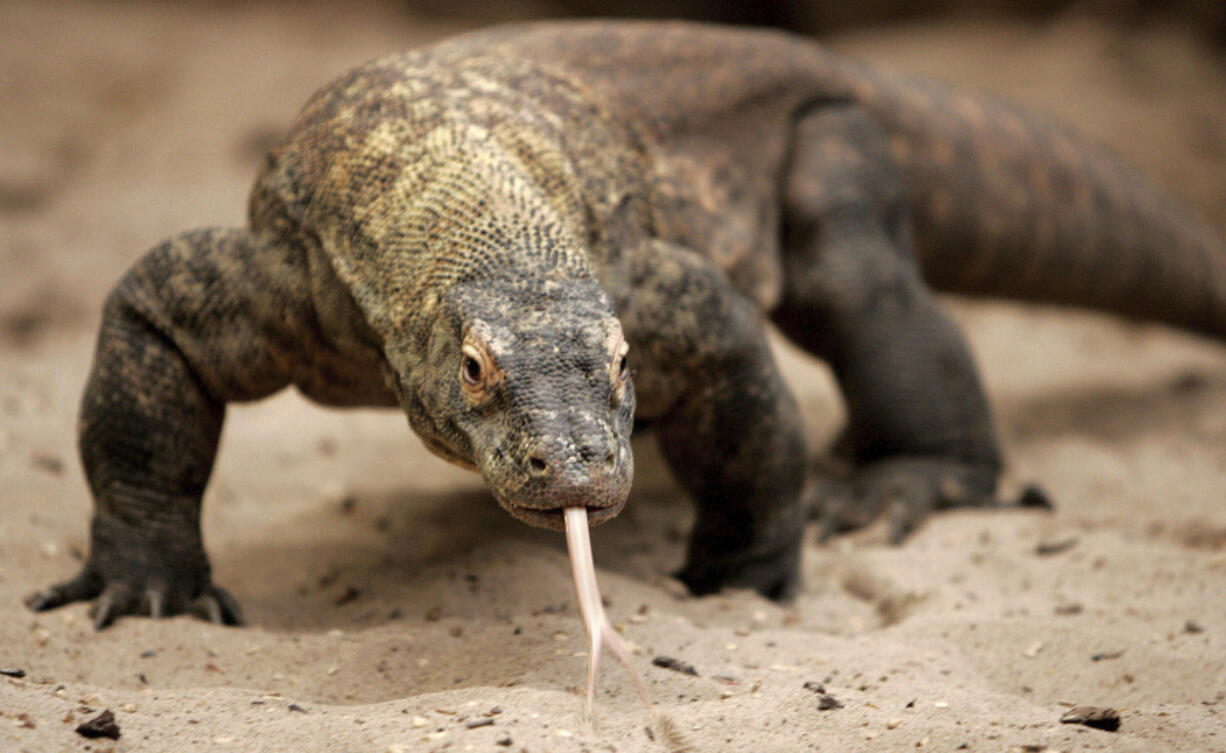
point(475, 232)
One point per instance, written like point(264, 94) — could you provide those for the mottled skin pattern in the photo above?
point(474, 232)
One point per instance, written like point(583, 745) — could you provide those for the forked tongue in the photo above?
point(599, 632)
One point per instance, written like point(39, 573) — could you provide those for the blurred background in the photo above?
point(1208, 17)
point(124, 122)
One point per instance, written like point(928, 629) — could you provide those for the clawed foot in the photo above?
point(119, 598)
point(776, 575)
point(149, 569)
point(907, 491)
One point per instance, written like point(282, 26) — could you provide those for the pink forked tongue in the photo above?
point(599, 632)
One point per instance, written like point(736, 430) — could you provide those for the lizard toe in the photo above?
point(117, 599)
point(85, 586)
point(154, 603)
point(218, 607)
point(841, 511)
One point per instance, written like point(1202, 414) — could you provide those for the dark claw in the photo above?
point(212, 610)
point(103, 612)
point(229, 607)
point(905, 518)
point(116, 600)
point(155, 601)
point(219, 607)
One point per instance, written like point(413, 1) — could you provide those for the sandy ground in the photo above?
point(392, 605)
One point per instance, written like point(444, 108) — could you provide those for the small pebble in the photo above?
point(48, 463)
point(826, 702)
point(1048, 548)
point(668, 662)
point(1098, 717)
point(102, 725)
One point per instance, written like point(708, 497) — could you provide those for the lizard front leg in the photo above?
point(728, 426)
point(205, 318)
point(920, 431)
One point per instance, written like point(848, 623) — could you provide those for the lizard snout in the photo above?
point(547, 460)
point(592, 471)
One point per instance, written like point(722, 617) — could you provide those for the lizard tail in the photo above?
point(1114, 243)
point(1010, 204)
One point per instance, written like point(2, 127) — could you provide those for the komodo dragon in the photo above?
point(478, 232)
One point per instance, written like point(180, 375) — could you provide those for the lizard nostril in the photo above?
point(610, 461)
point(537, 466)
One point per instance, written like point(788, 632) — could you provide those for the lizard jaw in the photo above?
point(554, 518)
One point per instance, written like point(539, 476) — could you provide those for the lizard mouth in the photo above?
point(554, 518)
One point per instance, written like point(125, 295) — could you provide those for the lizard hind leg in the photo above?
point(920, 431)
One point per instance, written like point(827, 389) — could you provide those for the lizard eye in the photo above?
point(478, 374)
point(470, 370)
point(619, 372)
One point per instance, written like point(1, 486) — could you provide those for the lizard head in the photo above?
point(531, 387)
